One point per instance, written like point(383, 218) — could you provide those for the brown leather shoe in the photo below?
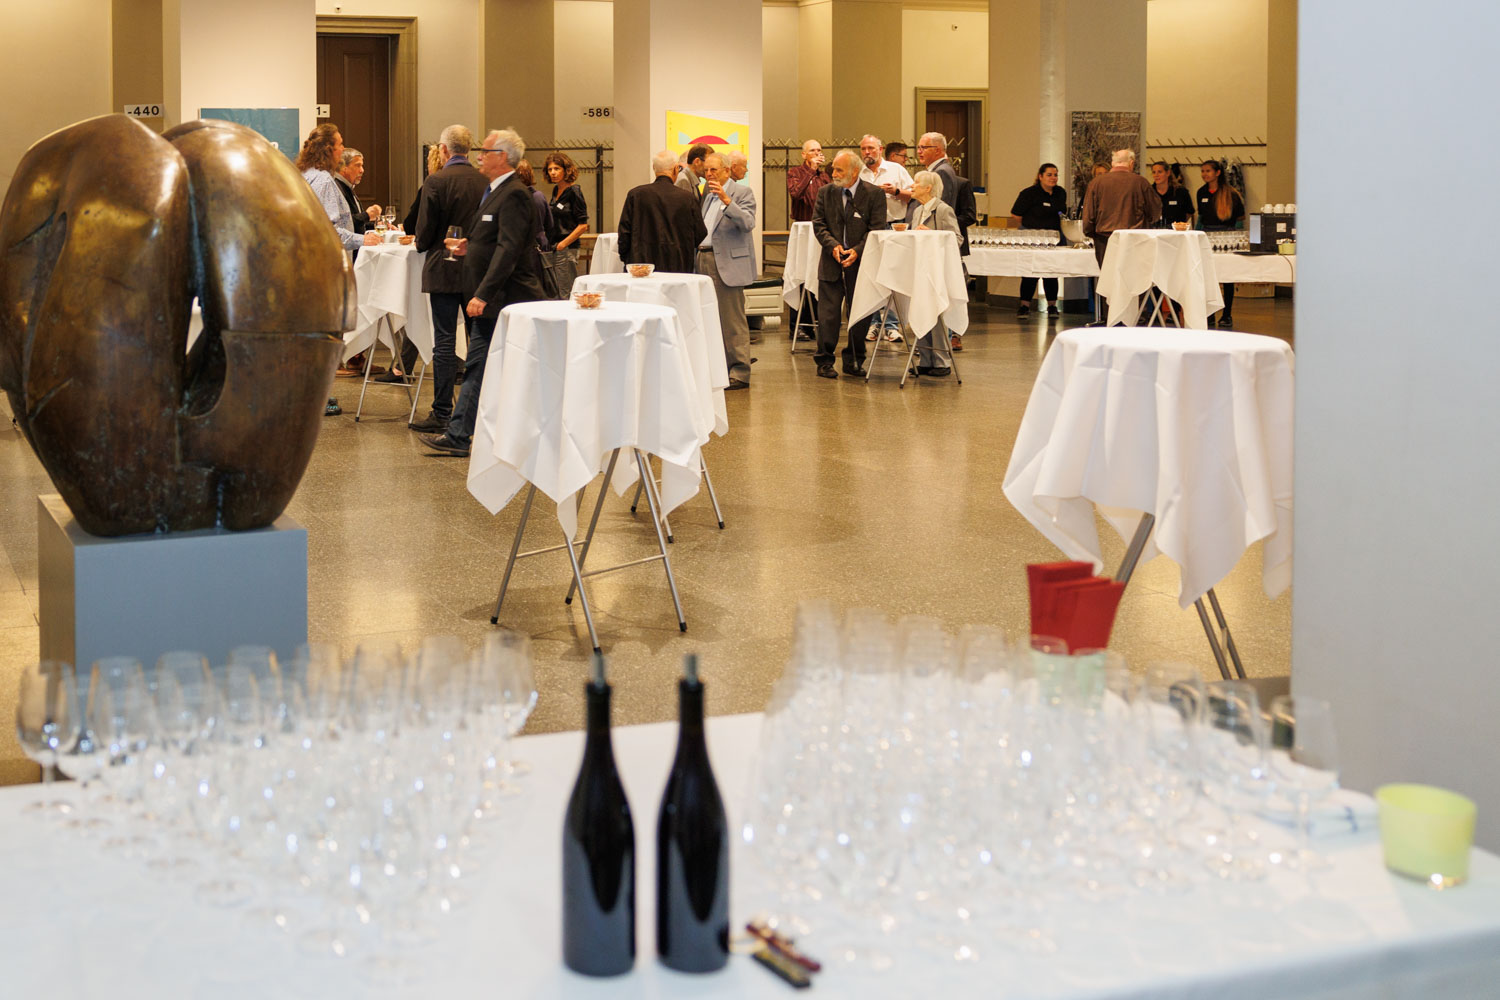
point(958, 341)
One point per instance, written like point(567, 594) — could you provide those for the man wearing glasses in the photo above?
point(932, 151)
point(501, 267)
point(893, 179)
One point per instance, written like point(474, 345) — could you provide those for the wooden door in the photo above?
point(354, 80)
point(952, 119)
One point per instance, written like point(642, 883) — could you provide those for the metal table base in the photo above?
point(577, 559)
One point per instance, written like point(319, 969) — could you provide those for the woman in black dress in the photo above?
point(1220, 207)
point(1176, 204)
point(1041, 206)
point(570, 212)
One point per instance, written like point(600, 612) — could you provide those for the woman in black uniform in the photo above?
point(1220, 207)
point(1176, 205)
point(571, 213)
point(1040, 206)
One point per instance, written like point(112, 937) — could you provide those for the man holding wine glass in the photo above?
point(450, 196)
point(501, 266)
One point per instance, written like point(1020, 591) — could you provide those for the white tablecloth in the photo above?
point(1194, 426)
point(606, 258)
point(564, 387)
point(921, 269)
point(388, 281)
point(802, 253)
point(1032, 262)
point(697, 305)
point(1179, 263)
point(79, 925)
point(1272, 268)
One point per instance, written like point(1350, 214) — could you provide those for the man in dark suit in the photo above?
point(502, 266)
point(660, 223)
point(351, 172)
point(847, 210)
point(449, 197)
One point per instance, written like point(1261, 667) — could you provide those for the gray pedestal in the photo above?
point(143, 595)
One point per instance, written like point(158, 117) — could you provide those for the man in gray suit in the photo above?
point(727, 255)
point(932, 150)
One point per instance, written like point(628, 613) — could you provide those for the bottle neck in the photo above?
point(690, 708)
point(597, 697)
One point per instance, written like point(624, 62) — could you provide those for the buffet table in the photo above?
point(1077, 262)
point(801, 271)
point(1180, 264)
point(80, 925)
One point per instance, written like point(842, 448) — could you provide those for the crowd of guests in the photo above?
point(491, 237)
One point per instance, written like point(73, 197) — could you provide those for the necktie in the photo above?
point(848, 211)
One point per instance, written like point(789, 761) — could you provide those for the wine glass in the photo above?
point(183, 700)
point(1305, 766)
point(517, 688)
point(455, 233)
point(1235, 773)
point(47, 724)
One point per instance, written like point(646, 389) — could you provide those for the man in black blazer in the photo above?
point(449, 197)
point(847, 210)
point(660, 223)
point(501, 267)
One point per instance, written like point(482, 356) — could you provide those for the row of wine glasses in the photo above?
point(949, 789)
point(341, 800)
point(987, 237)
point(1228, 240)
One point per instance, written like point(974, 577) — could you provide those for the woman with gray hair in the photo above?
point(929, 211)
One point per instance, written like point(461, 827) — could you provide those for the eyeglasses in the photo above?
point(482, 149)
point(927, 147)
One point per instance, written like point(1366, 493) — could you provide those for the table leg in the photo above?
point(1213, 640)
point(1234, 654)
point(515, 547)
point(594, 521)
point(656, 522)
point(416, 395)
point(712, 496)
point(1137, 545)
point(365, 385)
point(583, 598)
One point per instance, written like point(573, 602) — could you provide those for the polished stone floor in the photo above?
point(864, 494)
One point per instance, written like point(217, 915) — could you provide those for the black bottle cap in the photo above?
point(690, 668)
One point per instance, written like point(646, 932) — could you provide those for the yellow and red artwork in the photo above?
point(723, 130)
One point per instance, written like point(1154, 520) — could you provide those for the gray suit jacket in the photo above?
point(936, 214)
point(688, 181)
point(734, 235)
point(944, 169)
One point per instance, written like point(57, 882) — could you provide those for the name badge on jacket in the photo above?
point(857, 215)
point(486, 218)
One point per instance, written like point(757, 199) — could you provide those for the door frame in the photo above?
point(978, 121)
point(405, 149)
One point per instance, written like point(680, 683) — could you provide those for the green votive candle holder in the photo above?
point(1426, 833)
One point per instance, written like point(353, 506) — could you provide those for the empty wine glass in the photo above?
point(517, 689)
point(455, 234)
point(1235, 773)
point(46, 724)
point(1306, 766)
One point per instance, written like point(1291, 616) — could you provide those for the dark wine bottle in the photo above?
point(692, 848)
point(598, 853)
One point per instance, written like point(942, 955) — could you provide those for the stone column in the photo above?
point(1281, 102)
point(848, 68)
point(516, 68)
point(681, 55)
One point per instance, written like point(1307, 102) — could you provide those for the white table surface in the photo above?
point(1179, 263)
point(1194, 426)
point(922, 270)
point(388, 281)
point(1032, 262)
point(1268, 268)
point(697, 305)
point(76, 924)
point(564, 387)
point(606, 258)
point(801, 271)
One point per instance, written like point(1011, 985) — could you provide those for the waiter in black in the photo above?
point(847, 211)
point(502, 266)
point(1041, 206)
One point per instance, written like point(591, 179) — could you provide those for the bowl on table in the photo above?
point(588, 300)
point(405, 240)
point(899, 227)
point(1181, 227)
point(640, 270)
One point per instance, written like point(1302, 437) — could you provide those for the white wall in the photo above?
point(278, 38)
point(584, 70)
point(448, 46)
point(1393, 605)
point(941, 48)
point(1201, 91)
point(56, 71)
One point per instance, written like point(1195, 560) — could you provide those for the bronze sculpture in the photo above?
point(107, 234)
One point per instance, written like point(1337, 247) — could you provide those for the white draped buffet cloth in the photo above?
point(388, 281)
point(921, 269)
point(1179, 263)
point(697, 305)
point(1079, 262)
point(1193, 426)
point(78, 924)
point(564, 387)
point(801, 270)
point(606, 255)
